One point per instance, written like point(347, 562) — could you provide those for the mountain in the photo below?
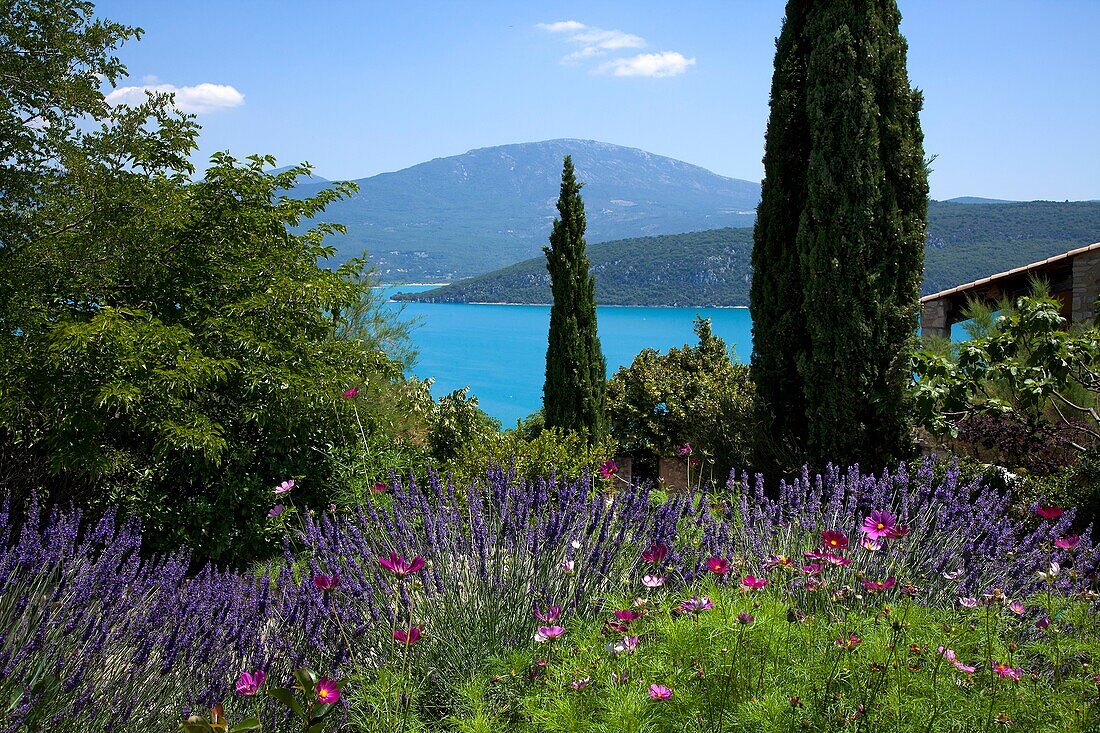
point(712, 267)
point(978, 200)
point(283, 169)
point(469, 214)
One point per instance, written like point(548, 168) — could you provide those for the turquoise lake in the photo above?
point(500, 350)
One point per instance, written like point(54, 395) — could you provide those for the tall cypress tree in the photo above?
point(574, 394)
point(860, 234)
point(775, 298)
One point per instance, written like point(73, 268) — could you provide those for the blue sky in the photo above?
point(1012, 107)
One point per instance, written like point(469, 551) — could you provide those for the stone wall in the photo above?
point(1086, 285)
point(934, 318)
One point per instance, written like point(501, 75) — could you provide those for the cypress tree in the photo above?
point(574, 394)
point(860, 234)
point(775, 296)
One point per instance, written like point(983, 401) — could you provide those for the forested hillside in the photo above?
point(965, 242)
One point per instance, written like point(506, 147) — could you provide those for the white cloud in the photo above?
point(198, 99)
point(666, 63)
point(596, 42)
point(561, 26)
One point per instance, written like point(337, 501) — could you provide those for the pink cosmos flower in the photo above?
point(326, 582)
point(685, 450)
point(550, 615)
point(379, 487)
point(777, 561)
point(332, 507)
point(813, 568)
point(718, 566)
point(878, 525)
point(896, 533)
point(249, 684)
point(569, 566)
point(408, 636)
point(581, 683)
point(1017, 608)
point(877, 585)
point(617, 626)
point(750, 582)
point(968, 602)
point(1068, 543)
point(849, 642)
point(548, 633)
point(834, 540)
point(400, 567)
point(627, 616)
point(626, 646)
point(1047, 511)
point(327, 691)
point(655, 554)
point(1042, 623)
point(659, 692)
point(284, 487)
point(276, 511)
point(837, 560)
point(745, 619)
point(353, 392)
point(695, 604)
point(949, 655)
point(1006, 672)
point(609, 468)
point(652, 581)
point(869, 544)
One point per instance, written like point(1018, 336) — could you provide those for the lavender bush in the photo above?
point(95, 637)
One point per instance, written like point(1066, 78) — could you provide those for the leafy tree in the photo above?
point(169, 345)
point(576, 372)
point(860, 233)
point(695, 394)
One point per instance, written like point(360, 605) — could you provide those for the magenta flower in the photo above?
point(548, 633)
point(834, 540)
point(695, 604)
point(408, 636)
point(284, 487)
point(326, 582)
point(879, 525)
point(1006, 672)
point(968, 602)
point(1042, 623)
point(327, 691)
point(655, 554)
point(249, 684)
point(814, 568)
point(1047, 511)
point(400, 567)
point(1068, 543)
point(660, 692)
point(896, 533)
point(550, 615)
point(379, 487)
point(877, 585)
point(276, 510)
point(353, 392)
point(869, 544)
point(837, 560)
point(949, 655)
point(684, 451)
point(581, 683)
point(609, 468)
point(849, 642)
point(718, 566)
point(627, 616)
point(750, 582)
point(745, 619)
point(617, 626)
point(652, 581)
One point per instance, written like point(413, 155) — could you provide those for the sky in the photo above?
point(1012, 88)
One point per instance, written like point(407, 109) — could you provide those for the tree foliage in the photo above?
point(574, 394)
point(694, 394)
point(857, 234)
point(167, 344)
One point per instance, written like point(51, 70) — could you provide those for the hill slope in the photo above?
point(713, 267)
point(471, 213)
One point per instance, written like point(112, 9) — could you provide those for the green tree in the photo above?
point(576, 372)
point(779, 336)
point(695, 394)
point(860, 234)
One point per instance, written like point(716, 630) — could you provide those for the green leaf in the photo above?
point(307, 678)
point(322, 710)
point(316, 728)
point(247, 724)
point(286, 697)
